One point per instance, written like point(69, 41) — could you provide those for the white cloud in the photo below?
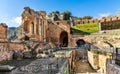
point(11, 22)
point(103, 15)
point(17, 20)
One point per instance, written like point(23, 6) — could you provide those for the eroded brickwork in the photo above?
point(34, 24)
point(55, 29)
point(3, 32)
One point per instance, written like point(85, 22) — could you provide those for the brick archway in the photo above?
point(80, 42)
point(64, 39)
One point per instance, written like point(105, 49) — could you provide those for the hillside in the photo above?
point(13, 32)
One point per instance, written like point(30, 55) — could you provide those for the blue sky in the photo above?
point(10, 10)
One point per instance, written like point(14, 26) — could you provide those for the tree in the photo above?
point(87, 17)
point(57, 12)
point(66, 15)
point(76, 18)
point(55, 15)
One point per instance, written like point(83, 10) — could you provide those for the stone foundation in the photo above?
point(112, 68)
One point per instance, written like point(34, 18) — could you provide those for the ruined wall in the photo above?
point(98, 61)
point(86, 21)
point(55, 29)
point(15, 46)
point(107, 23)
point(3, 32)
point(93, 60)
point(5, 54)
point(112, 68)
point(103, 62)
point(110, 23)
point(74, 38)
point(34, 24)
point(53, 32)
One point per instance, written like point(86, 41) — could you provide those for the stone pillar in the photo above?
point(39, 29)
point(31, 28)
point(35, 25)
point(99, 27)
point(43, 30)
point(71, 22)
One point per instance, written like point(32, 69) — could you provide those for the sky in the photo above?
point(10, 10)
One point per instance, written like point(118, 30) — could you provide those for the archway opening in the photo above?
point(64, 39)
point(80, 42)
point(26, 38)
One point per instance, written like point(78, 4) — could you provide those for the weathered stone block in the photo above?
point(18, 54)
point(27, 55)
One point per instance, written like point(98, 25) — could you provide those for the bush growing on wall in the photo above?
point(99, 52)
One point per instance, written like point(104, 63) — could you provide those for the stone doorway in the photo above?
point(64, 39)
point(80, 42)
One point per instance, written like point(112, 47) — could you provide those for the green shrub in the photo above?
point(94, 51)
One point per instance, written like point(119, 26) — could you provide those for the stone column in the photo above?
point(99, 27)
point(30, 29)
point(35, 25)
point(39, 28)
point(43, 29)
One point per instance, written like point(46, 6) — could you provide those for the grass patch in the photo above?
point(88, 28)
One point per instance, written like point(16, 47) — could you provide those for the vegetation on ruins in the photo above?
point(88, 28)
point(66, 15)
point(77, 18)
point(56, 15)
point(95, 51)
point(87, 17)
point(82, 18)
point(99, 52)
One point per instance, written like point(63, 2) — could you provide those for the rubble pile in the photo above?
point(5, 54)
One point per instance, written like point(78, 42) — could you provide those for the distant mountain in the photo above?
point(13, 32)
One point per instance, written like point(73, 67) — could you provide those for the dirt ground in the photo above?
point(83, 67)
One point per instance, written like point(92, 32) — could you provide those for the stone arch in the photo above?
point(80, 42)
point(25, 26)
point(26, 38)
point(64, 39)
